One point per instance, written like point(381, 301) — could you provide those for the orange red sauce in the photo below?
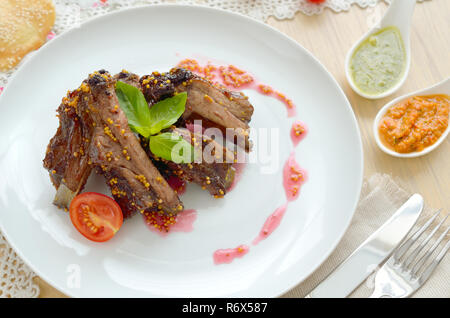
point(415, 123)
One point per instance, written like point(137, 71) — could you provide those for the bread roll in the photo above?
point(24, 25)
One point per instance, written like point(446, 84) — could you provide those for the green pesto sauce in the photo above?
point(379, 62)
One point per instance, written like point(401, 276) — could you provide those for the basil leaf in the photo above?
point(166, 112)
point(172, 147)
point(135, 107)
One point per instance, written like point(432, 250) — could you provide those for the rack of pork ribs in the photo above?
point(93, 134)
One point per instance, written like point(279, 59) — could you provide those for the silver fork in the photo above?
point(401, 275)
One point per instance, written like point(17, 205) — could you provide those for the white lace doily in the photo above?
point(259, 9)
point(71, 13)
point(16, 279)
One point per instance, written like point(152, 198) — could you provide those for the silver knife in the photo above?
point(362, 262)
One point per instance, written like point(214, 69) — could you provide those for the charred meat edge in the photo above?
point(65, 157)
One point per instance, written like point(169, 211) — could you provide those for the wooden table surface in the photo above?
point(329, 36)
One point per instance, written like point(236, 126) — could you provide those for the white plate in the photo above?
point(138, 262)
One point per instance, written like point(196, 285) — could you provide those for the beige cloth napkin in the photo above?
point(381, 196)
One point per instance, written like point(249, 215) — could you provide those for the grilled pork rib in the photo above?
point(215, 107)
point(119, 150)
point(218, 108)
point(94, 134)
point(110, 146)
point(65, 156)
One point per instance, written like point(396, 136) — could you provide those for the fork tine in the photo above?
point(419, 248)
point(426, 274)
point(427, 255)
point(407, 244)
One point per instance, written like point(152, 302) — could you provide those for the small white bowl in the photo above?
point(442, 88)
point(399, 15)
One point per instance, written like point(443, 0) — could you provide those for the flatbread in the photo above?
point(24, 26)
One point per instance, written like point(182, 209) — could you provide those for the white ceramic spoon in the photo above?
point(399, 14)
point(438, 89)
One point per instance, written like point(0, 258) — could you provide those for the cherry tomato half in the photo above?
point(96, 216)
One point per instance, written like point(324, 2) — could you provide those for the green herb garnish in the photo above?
point(172, 147)
point(135, 107)
point(166, 112)
point(148, 122)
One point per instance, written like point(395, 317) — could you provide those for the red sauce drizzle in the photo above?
point(271, 224)
point(177, 184)
point(269, 91)
point(234, 78)
point(293, 178)
point(298, 132)
point(226, 256)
